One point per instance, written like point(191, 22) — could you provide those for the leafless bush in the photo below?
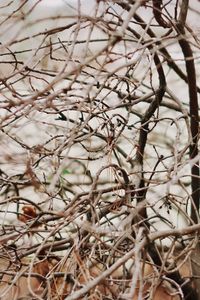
point(99, 150)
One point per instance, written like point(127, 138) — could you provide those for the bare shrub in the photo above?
point(99, 150)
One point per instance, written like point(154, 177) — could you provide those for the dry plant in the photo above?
point(99, 158)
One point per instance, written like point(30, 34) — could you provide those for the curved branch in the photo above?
point(194, 117)
point(157, 11)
